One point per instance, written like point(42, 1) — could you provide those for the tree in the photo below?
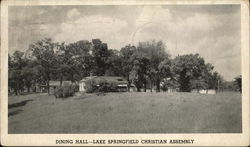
point(238, 81)
point(114, 63)
point(76, 60)
point(169, 82)
point(136, 75)
point(198, 84)
point(216, 81)
point(127, 63)
point(148, 56)
point(16, 65)
point(61, 62)
point(100, 56)
point(28, 75)
point(165, 71)
point(139, 70)
point(44, 51)
point(204, 81)
point(188, 69)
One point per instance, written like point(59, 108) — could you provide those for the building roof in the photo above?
point(88, 78)
point(119, 80)
point(57, 83)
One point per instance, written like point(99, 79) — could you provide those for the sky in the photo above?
point(213, 31)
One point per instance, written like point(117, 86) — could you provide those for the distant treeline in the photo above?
point(147, 63)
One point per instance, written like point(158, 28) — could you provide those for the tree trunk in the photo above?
point(138, 89)
point(128, 84)
point(15, 91)
point(145, 86)
point(157, 85)
point(151, 86)
point(48, 86)
point(61, 80)
point(28, 89)
point(218, 86)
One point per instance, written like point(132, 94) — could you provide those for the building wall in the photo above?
point(44, 89)
point(82, 87)
point(202, 91)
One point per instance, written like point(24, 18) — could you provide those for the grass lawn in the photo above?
point(126, 113)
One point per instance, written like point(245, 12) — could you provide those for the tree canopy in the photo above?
point(147, 65)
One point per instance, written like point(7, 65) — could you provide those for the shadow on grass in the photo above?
point(19, 104)
point(14, 113)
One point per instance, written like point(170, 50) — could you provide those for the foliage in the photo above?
point(113, 63)
point(141, 65)
point(102, 85)
point(100, 57)
point(169, 83)
point(138, 73)
point(191, 72)
point(75, 88)
point(44, 52)
point(64, 92)
point(76, 60)
point(146, 64)
point(238, 81)
point(127, 62)
point(21, 72)
point(91, 86)
point(216, 80)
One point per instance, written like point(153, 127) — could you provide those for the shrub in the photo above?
point(112, 86)
point(164, 87)
point(75, 88)
point(91, 86)
point(101, 86)
point(64, 92)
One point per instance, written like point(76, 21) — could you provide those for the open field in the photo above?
point(126, 113)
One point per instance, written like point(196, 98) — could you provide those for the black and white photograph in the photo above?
point(125, 69)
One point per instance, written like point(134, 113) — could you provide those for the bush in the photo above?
point(164, 87)
point(112, 86)
point(64, 92)
point(75, 88)
point(100, 86)
point(90, 86)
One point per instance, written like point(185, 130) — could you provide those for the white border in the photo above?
point(222, 139)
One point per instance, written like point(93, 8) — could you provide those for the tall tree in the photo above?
point(188, 68)
point(139, 71)
point(28, 74)
point(216, 81)
point(127, 62)
point(165, 72)
point(16, 65)
point(100, 55)
point(44, 51)
point(137, 75)
point(238, 81)
point(150, 55)
point(76, 60)
point(204, 80)
point(114, 63)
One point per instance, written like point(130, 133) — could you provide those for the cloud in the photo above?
point(214, 35)
point(86, 28)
